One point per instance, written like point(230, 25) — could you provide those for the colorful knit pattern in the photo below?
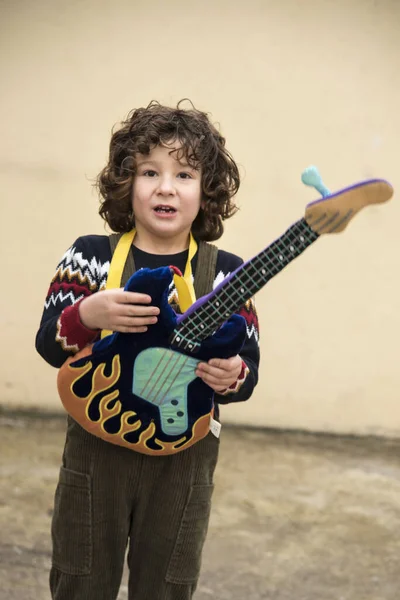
point(249, 312)
point(76, 276)
point(82, 271)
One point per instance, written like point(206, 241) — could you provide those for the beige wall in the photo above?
point(291, 82)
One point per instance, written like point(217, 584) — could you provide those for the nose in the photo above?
point(166, 186)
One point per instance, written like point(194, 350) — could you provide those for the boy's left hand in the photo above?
point(220, 373)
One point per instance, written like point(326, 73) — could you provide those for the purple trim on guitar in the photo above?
point(348, 189)
point(208, 313)
point(225, 282)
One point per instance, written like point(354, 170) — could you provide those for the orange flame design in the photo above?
point(78, 408)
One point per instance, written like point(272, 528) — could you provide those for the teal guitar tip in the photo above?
point(311, 176)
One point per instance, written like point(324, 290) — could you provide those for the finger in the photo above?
point(127, 321)
point(212, 372)
point(223, 371)
point(217, 362)
point(137, 310)
point(132, 298)
point(225, 363)
point(223, 382)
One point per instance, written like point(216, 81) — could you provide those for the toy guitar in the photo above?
point(141, 391)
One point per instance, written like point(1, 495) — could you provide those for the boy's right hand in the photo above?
point(117, 310)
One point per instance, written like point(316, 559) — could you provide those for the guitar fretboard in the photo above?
point(204, 318)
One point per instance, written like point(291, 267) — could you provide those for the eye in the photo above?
point(149, 173)
point(184, 175)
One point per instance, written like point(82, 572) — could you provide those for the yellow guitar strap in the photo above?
point(184, 285)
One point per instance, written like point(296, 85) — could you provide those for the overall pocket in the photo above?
point(71, 527)
point(185, 562)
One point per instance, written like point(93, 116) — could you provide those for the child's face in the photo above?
point(166, 195)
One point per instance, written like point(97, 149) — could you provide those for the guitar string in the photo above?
point(165, 366)
point(206, 319)
point(187, 358)
point(207, 313)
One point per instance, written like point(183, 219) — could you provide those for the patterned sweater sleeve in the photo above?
point(243, 388)
point(61, 332)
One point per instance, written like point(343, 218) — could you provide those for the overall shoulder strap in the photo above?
point(113, 239)
point(205, 269)
point(122, 265)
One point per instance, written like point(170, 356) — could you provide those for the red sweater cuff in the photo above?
point(235, 387)
point(71, 332)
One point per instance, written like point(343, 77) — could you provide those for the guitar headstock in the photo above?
point(333, 212)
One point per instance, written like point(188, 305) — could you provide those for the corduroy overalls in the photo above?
point(109, 497)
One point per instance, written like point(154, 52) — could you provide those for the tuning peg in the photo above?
point(310, 176)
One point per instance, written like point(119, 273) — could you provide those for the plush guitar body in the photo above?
point(140, 390)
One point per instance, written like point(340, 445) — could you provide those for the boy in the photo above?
point(168, 176)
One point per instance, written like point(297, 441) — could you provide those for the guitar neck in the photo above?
point(211, 311)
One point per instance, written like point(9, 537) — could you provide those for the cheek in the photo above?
point(138, 194)
point(198, 200)
point(195, 206)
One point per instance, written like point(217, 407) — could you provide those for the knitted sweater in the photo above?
point(83, 271)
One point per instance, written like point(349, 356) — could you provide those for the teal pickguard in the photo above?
point(161, 377)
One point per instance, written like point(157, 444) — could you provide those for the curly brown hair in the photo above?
point(200, 144)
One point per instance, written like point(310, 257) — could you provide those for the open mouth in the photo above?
point(164, 209)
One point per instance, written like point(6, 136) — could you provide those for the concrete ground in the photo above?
point(295, 516)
